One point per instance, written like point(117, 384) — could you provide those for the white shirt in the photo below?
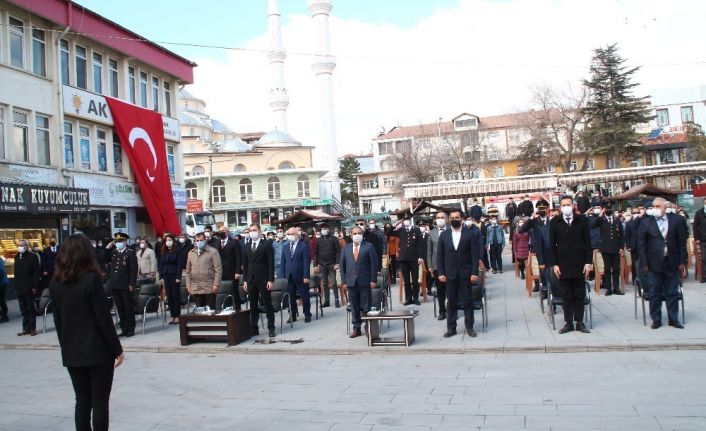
point(456, 237)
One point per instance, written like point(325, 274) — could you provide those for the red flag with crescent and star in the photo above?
point(141, 134)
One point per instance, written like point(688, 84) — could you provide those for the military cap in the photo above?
point(121, 236)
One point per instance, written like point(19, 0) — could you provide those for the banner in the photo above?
point(142, 138)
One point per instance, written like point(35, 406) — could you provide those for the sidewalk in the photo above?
point(516, 324)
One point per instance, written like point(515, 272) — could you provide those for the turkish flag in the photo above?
point(141, 134)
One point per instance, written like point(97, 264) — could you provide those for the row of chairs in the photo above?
point(480, 298)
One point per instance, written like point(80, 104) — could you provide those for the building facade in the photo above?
point(56, 131)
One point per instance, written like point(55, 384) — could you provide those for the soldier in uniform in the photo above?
point(611, 248)
point(410, 257)
point(122, 276)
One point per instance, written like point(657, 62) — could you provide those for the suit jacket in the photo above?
point(49, 260)
point(83, 324)
point(297, 265)
point(259, 265)
point(612, 235)
point(510, 211)
point(26, 273)
point(459, 263)
point(570, 246)
point(122, 271)
point(231, 259)
point(700, 225)
point(651, 243)
point(433, 247)
point(364, 270)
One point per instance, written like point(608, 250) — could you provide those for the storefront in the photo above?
point(36, 213)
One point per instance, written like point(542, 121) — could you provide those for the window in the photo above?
point(370, 184)
point(65, 77)
point(170, 161)
point(245, 189)
point(198, 170)
point(191, 191)
point(113, 77)
point(303, 186)
point(143, 89)
point(498, 172)
point(97, 73)
point(662, 117)
point(388, 182)
point(386, 148)
point(273, 188)
point(81, 80)
point(550, 169)
point(68, 145)
point(192, 132)
point(237, 218)
point(167, 99)
point(403, 146)
point(43, 155)
point(240, 167)
point(573, 166)
point(39, 49)
point(155, 93)
point(84, 142)
point(21, 136)
point(612, 163)
point(17, 43)
point(219, 192)
point(2, 133)
point(469, 122)
point(590, 165)
point(494, 138)
point(131, 84)
point(102, 152)
point(117, 154)
point(286, 165)
point(687, 114)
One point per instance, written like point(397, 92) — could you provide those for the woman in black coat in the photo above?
point(170, 265)
point(90, 348)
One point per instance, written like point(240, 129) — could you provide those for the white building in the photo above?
point(674, 107)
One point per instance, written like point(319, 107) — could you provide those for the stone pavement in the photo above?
point(655, 390)
point(516, 324)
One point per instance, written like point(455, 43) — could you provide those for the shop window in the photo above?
point(102, 152)
point(303, 186)
point(80, 64)
point(273, 188)
point(43, 154)
point(191, 191)
point(85, 147)
point(21, 137)
point(97, 73)
point(246, 190)
point(120, 220)
point(17, 43)
point(131, 85)
point(68, 145)
point(170, 161)
point(10, 237)
point(219, 192)
point(113, 77)
point(39, 53)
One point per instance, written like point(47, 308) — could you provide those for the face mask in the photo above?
point(628, 218)
point(318, 235)
point(324, 232)
point(567, 210)
point(223, 235)
point(93, 244)
point(182, 240)
point(469, 223)
point(142, 245)
point(683, 215)
point(671, 210)
point(120, 245)
point(36, 249)
point(455, 224)
point(280, 235)
point(208, 235)
point(201, 244)
point(21, 249)
point(100, 244)
point(254, 235)
point(596, 211)
point(169, 243)
point(357, 238)
point(291, 238)
point(371, 225)
point(441, 222)
point(519, 224)
point(542, 214)
point(407, 223)
point(53, 243)
point(654, 212)
point(493, 221)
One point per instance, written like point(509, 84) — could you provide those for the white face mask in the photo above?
point(493, 221)
point(318, 235)
point(469, 223)
point(208, 235)
point(654, 212)
point(291, 238)
point(182, 240)
point(371, 225)
point(254, 235)
point(441, 222)
point(357, 238)
point(671, 211)
point(628, 218)
point(596, 211)
point(280, 235)
point(407, 223)
point(143, 245)
point(21, 249)
point(169, 243)
point(324, 231)
point(567, 210)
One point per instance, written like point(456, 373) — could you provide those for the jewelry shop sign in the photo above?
point(38, 199)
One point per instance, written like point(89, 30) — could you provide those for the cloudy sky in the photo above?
point(410, 61)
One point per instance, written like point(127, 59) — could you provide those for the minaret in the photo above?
point(323, 67)
point(279, 101)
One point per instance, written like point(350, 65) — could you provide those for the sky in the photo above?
point(403, 62)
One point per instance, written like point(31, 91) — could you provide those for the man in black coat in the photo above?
point(571, 253)
point(259, 277)
point(122, 276)
point(231, 261)
point(611, 248)
point(526, 208)
point(371, 236)
point(700, 237)
point(48, 261)
point(26, 283)
point(326, 256)
point(211, 239)
point(410, 256)
point(583, 204)
point(511, 210)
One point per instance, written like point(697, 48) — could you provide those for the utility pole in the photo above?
point(210, 182)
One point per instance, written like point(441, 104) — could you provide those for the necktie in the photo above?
point(662, 227)
point(568, 220)
point(291, 249)
point(355, 252)
point(223, 243)
point(254, 245)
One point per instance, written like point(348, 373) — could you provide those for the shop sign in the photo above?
point(84, 104)
point(315, 203)
point(194, 206)
point(30, 174)
point(109, 192)
point(37, 199)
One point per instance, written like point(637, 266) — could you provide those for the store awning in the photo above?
point(643, 189)
point(308, 216)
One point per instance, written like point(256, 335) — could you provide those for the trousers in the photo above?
point(295, 288)
point(328, 281)
point(29, 312)
point(496, 257)
point(410, 277)
point(611, 269)
point(664, 286)
point(171, 288)
point(458, 294)
point(440, 293)
point(92, 387)
point(359, 298)
point(258, 293)
point(574, 294)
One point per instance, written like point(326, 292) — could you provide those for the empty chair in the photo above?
point(315, 293)
point(149, 301)
point(224, 296)
point(480, 301)
point(280, 302)
point(44, 304)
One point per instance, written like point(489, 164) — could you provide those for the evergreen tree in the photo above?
point(613, 111)
point(349, 185)
point(696, 150)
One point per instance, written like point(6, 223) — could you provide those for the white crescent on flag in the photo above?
point(140, 133)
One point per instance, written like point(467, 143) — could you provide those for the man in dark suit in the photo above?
point(476, 211)
point(571, 254)
point(26, 284)
point(358, 265)
point(458, 260)
point(611, 248)
point(231, 261)
point(525, 208)
point(538, 227)
point(700, 237)
point(432, 253)
point(661, 244)
point(583, 204)
point(296, 261)
point(409, 257)
point(258, 276)
point(48, 261)
point(511, 211)
point(122, 276)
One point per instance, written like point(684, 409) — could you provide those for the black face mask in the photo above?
point(223, 235)
point(53, 243)
point(542, 214)
point(609, 212)
point(455, 224)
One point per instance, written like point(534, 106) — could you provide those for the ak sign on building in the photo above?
point(42, 199)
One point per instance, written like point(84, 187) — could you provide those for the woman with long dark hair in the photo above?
point(170, 271)
point(90, 348)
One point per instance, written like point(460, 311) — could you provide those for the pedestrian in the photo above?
point(393, 249)
point(230, 252)
point(382, 250)
point(611, 246)
point(122, 278)
point(661, 243)
point(495, 243)
point(4, 282)
point(295, 269)
point(511, 210)
point(538, 229)
point(47, 262)
point(520, 247)
point(525, 208)
point(476, 210)
point(358, 275)
point(90, 349)
point(571, 255)
point(146, 263)
point(170, 272)
point(203, 273)
point(26, 283)
point(326, 257)
point(700, 237)
point(583, 204)
point(278, 245)
point(258, 277)
point(432, 252)
point(211, 239)
point(410, 256)
point(458, 259)
point(185, 245)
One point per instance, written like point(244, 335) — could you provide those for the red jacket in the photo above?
point(520, 245)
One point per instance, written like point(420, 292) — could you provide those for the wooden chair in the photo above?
point(697, 260)
point(598, 269)
point(625, 268)
point(423, 288)
point(532, 273)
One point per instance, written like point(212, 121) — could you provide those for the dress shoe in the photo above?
point(338, 303)
point(522, 276)
point(406, 303)
point(19, 334)
point(292, 319)
point(608, 293)
point(442, 316)
point(130, 334)
point(416, 302)
point(307, 319)
point(535, 289)
point(122, 334)
point(703, 281)
point(272, 333)
point(500, 271)
point(676, 324)
point(495, 271)
point(32, 333)
point(254, 333)
point(656, 325)
point(356, 333)
point(582, 328)
point(450, 334)
point(567, 328)
point(472, 333)
point(618, 292)
point(326, 304)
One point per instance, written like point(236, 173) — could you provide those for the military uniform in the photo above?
point(411, 250)
point(122, 276)
point(612, 242)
